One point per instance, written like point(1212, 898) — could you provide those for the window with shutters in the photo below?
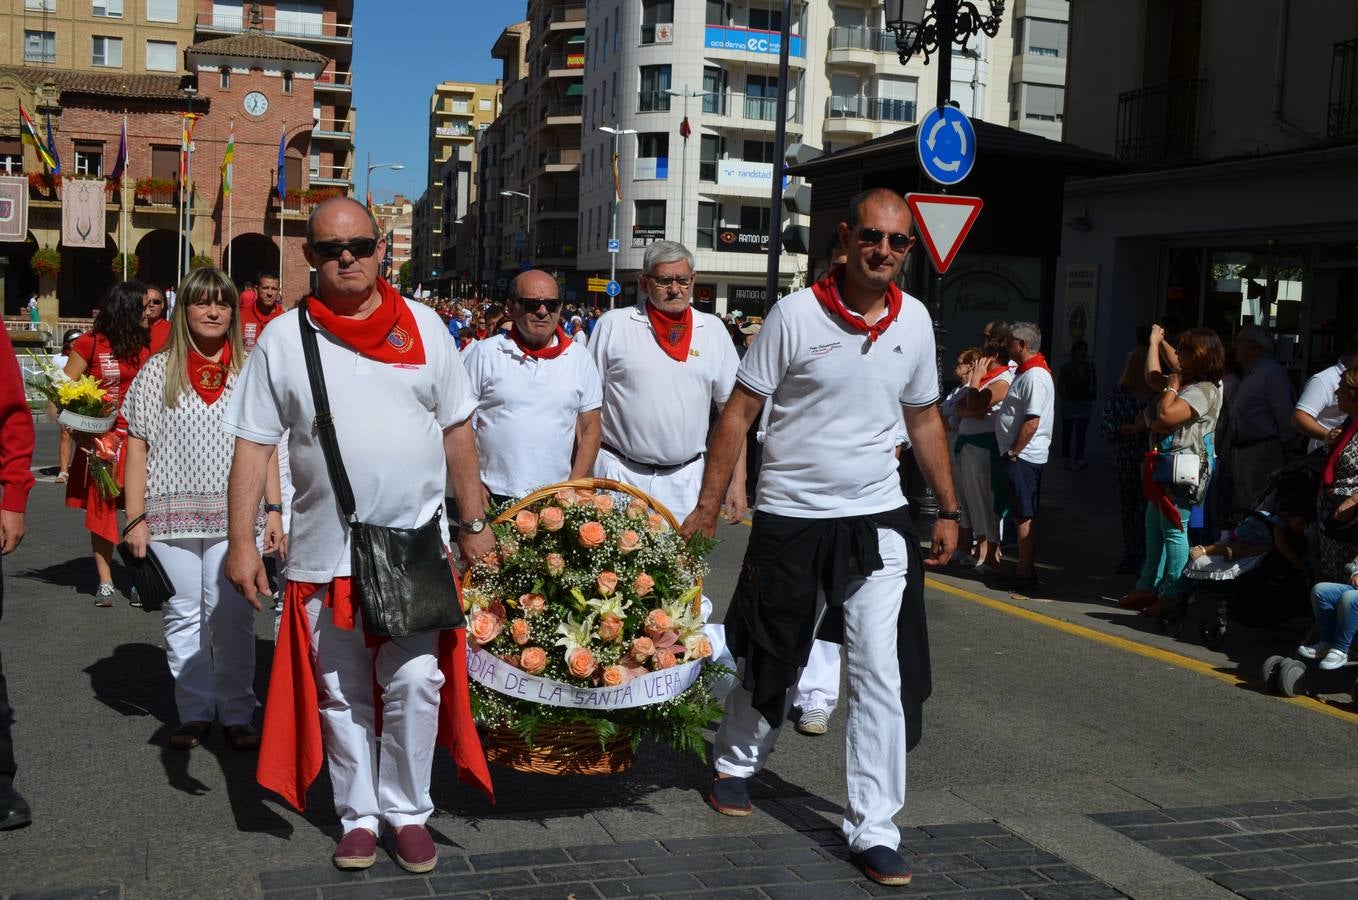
point(89, 159)
point(1046, 37)
point(40, 46)
point(1043, 102)
point(162, 10)
point(165, 163)
point(106, 51)
point(106, 9)
point(161, 56)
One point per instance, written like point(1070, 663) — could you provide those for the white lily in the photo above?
point(615, 605)
point(575, 634)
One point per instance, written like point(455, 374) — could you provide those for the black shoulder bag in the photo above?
point(403, 576)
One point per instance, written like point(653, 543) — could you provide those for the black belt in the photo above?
point(1245, 445)
point(656, 468)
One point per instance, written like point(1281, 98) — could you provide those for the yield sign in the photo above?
point(943, 221)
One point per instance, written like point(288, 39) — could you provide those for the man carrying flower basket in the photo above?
point(830, 552)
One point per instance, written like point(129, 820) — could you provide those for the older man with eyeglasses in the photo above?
point(537, 396)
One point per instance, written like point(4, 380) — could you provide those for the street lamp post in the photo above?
point(527, 219)
point(683, 163)
point(368, 184)
point(613, 234)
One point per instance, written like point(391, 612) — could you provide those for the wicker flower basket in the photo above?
point(569, 749)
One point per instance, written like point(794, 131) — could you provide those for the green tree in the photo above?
point(403, 276)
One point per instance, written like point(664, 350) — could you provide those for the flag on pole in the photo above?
point(52, 147)
point(684, 129)
point(617, 179)
point(282, 160)
point(120, 163)
point(185, 147)
point(29, 133)
point(370, 201)
point(229, 160)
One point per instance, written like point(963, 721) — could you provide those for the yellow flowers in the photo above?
point(83, 392)
point(82, 396)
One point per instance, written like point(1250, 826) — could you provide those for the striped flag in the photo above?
point(617, 179)
point(120, 163)
point(185, 147)
point(229, 160)
point(282, 167)
point(52, 147)
point(29, 132)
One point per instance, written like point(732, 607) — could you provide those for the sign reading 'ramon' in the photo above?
point(736, 240)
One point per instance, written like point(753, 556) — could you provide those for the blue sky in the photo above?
point(402, 48)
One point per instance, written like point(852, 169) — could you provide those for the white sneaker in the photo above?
point(1311, 651)
point(813, 722)
point(1335, 659)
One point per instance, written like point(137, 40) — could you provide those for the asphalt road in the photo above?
point(1033, 726)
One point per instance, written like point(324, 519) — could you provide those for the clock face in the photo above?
point(256, 104)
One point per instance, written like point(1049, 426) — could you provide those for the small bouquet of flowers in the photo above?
point(585, 632)
point(84, 407)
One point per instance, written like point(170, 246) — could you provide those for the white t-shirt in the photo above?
point(1032, 394)
point(1319, 399)
point(985, 424)
point(835, 406)
point(526, 410)
point(656, 409)
point(389, 421)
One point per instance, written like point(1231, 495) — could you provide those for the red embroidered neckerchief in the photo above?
point(389, 335)
point(1037, 361)
point(551, 351)
point(673, 331)
point(827, 292)
point(207, 376)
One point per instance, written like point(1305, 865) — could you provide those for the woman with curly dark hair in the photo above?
point(112, 353)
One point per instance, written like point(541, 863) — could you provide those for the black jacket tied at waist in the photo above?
point(796, 573)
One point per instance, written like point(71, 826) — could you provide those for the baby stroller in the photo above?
point(1256, 591)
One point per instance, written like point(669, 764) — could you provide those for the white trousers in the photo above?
point(973, 489)
point(818, 687)
point(875, 730)
point(374, 778)
point(209, 634)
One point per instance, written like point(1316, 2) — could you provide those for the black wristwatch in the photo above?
point(273, 507)
point(475, 526)
point(951, 515)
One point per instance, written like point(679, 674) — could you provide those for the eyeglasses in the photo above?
point(531, 304)
point(359, 248)
point(666, 280)
point(897, 241)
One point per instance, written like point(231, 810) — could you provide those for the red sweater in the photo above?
point(16, 432)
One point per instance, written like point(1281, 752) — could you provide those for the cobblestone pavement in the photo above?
point(1301, 849)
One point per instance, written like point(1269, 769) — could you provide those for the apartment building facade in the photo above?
point(266, 73)
point(395, 219)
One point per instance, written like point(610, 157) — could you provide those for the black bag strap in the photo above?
point(324, 422)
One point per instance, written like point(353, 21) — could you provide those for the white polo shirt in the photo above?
point(389, 420)
point(835, 403)
point(656, 409)
point(1033, 393)
point(1319, 399)
point(985, 424)
point(526, 410)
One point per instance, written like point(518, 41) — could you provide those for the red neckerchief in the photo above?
point(827, 292)
point(389, 335)
point(673, 331)
point(1327, 478)
point(1154, 491)
point(263, 317)
point(1038, 361)
point(207, 376)
point(160, 334)
point(480, 332)
point(994, 372)
point(551, 351)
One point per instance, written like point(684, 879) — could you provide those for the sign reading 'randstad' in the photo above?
point(744, 173)
point(749, 40)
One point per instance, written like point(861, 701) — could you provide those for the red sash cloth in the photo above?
point(1154, 491)
point(1351, 426)
point(291, 750)
point(827, 292)
point(1036, 361)
point(551, 351)
point(389, 335)
point(673, 331)
point(208, 377)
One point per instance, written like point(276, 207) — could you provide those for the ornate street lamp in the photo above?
point(930, 30)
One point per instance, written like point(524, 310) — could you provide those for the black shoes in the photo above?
point(730, 796)
point(14, 811)
point(884, 866)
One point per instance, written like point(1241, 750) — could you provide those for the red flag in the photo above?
point(684, 130)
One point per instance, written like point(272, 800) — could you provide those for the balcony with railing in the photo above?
point(340, 82)
point(563, 112)
point(852, 113)
point(859, 46)
point(559, 159)
point(749, 107)
point(566, 64)
point(1158, 125)
point(1342, 109)
point(569, 15)
point(557, 204)
point(287, 27)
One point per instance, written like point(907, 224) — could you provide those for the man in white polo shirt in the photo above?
point(537, 396)
point(842, 364)
point(1317, 414)
point(402, 416)
point(1023, 431)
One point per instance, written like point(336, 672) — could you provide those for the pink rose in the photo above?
point(636, 510)
point(584, 496)
point(552, 518)
point(629, 542)
point(592, 535)
point(642, 648)
point(533, 660)
point(566, 497)
point(532, 604)
point(581, 662)
point(603, 503)
point(657, 622)
point(614, 676)
point(526, 523)
point(610, 627)
point(664, 659)
point(655, 523)
point(518, 631)
point(697, 647)
point(556, 564)
point(491, 561)
point(607, 582)
point(485, 627)
point(643, 584)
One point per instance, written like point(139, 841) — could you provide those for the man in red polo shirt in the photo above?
point(260, 311)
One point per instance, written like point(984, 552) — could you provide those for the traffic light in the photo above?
point(796, 237)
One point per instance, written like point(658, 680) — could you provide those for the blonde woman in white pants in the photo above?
point(178, 462)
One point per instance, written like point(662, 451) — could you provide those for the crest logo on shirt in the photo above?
point(898, 349)
point(211, 378)
point(693, 352)
point(399, 340)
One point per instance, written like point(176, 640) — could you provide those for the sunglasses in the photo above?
point(531, 304)
point(359, 248)
point(895, 240)
point(666, 280)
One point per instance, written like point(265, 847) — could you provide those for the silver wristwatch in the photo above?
point(475, 526)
